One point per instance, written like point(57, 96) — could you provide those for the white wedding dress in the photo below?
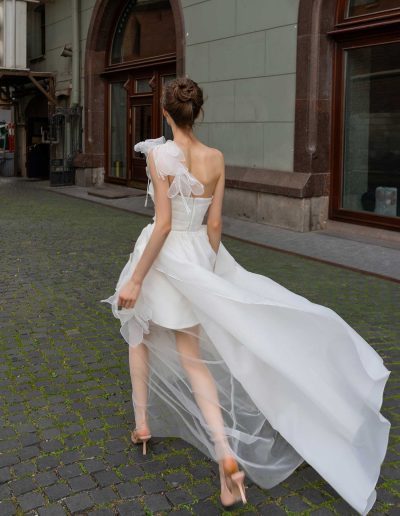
point(295, 381)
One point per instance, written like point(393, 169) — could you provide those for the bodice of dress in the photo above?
point(183, 219)
point(192, 221)
point(188, 211)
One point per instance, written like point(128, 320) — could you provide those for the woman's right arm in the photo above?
point(162, 226)
point(214, 218)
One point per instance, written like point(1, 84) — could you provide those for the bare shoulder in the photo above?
point(213, 155)
point(217, 155)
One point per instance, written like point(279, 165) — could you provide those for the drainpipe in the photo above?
point(75, 77)
point(75, 54)
point(13, 36)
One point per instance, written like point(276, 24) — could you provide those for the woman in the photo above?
point(244, 369)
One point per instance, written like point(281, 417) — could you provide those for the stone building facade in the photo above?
point(301, 96)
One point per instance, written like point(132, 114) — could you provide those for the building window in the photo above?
point(37, 32)
point(371, 169)
point(145, 29)
point(366, 7)
point(117, 146)
point(366, 155)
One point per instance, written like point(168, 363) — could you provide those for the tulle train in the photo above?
point(295, 382)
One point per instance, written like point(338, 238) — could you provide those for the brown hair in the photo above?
point(183, 99)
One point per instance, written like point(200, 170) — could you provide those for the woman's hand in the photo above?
point(128, 294)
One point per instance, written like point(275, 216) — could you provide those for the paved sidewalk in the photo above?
point(65, 399)
point(348, 245)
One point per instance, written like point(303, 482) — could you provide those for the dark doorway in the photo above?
point(37, 152)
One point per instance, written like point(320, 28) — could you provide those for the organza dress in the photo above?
point(295, 382)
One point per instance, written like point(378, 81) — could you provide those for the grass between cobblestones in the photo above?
point(66, 410)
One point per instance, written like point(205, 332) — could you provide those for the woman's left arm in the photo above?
point(162, 226)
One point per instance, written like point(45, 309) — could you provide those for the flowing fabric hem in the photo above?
point(378, 373)
point(368, 364)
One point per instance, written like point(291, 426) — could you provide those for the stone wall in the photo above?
point(243, 54)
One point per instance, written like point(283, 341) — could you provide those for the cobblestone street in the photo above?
point(65, 396)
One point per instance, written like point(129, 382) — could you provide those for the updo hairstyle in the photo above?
point(183, 99)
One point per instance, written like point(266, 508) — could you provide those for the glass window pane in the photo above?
point(371, 172)
point(143, 86)
point(145, 28)
point(165, 79)
point(118, 131)
point(363, 7)
point(141, 124)
point(36, 35)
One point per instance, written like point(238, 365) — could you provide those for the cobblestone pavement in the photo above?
point(65, 398)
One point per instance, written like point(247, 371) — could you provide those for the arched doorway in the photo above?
point(37, 152)
point(133, 48)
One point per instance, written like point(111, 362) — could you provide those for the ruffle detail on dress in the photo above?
point(170, 161)
point(134, 321)
point(146, 145)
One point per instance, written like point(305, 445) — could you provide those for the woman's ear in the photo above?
point(167, 117)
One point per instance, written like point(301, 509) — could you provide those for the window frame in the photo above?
point(358, 33)
point(342, 18)
point(130, 62)
point(108, 134)
point(41, 11)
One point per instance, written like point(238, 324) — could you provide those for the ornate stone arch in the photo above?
point(104, 16)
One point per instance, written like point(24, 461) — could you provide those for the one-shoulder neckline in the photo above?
point(184, 158)
point(179, 149)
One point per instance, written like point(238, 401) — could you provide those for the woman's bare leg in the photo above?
point(204, 388)
point(139, 371)
point(206, 396)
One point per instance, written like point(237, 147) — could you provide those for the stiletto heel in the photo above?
point(238, 478)
point(232, 483)
point(140, 439)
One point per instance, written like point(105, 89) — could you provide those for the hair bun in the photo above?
point(185, 90)
point(183, 99)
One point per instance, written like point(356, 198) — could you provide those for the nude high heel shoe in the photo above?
point(232, 483)
point(140, 437)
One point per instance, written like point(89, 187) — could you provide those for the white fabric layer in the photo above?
point(295, 381)
point(170, 161)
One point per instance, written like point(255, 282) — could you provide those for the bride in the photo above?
point(255, 376)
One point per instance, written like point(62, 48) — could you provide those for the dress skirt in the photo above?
point(295, 382)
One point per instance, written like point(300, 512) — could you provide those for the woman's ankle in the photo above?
point(222, 449)
point(141, 425)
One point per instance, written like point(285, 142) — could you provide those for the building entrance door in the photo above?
point(141, 57)
point(145, 120)
point(140, 128)
point(135, 114)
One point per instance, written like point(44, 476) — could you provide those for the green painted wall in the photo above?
point(243, 54)
point(59, 33)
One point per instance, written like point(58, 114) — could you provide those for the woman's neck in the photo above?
point(183, 136)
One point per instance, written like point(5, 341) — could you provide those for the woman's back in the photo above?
point(204, 163)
